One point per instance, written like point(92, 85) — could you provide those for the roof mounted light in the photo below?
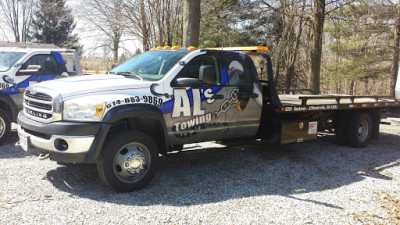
point(159, 47)
point(248, 48)
point(167, 47)
point(175, 47)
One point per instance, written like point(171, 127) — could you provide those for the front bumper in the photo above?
point(77, 139)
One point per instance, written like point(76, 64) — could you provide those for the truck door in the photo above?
point(243, 93)
point(50, 67)
point(197, 98)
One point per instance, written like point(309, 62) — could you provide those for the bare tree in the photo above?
point(292, 55)
point(18, 17)
point(105, 16)
point(191, 23)
point(154, 22)
point(316, 47)
point(396, 49)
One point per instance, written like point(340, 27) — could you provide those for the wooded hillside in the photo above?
point(331, 46)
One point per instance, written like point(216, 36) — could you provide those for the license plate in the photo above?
point(23, 141)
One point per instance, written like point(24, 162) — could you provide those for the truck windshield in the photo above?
point(8, 59)
point(151, 65)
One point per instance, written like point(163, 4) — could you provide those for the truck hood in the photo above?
point(80, 85)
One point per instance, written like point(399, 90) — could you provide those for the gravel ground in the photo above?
point(311, 183)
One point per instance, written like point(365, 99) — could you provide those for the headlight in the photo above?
point(83, 109)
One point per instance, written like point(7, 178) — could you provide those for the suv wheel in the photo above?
point(5, 125)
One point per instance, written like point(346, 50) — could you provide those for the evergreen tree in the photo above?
point(53, 24)
point(359, 37)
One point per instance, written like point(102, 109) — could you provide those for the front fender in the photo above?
point(141, 111)
point(5, 100)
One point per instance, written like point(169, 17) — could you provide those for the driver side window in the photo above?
point(201, 70)
point(47, 63)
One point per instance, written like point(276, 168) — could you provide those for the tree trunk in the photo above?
point(143, 22)
point(191, 23)
point(396, 49)
point(115, 49)
point(293, 58)
point(316, 48)
point(352, 87)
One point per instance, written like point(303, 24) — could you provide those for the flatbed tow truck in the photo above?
point(170, 96)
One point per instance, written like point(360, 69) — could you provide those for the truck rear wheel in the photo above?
point(359, 130)
point(128, 161)
point(5, 125)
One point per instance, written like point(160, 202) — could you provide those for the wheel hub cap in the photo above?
point(363, 130)
point(131, 161)
point(134, 163)
point(2, 127)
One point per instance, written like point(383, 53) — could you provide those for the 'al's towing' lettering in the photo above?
point(182, 102)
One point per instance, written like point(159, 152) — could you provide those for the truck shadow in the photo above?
point(8, 149)
point(219, 174)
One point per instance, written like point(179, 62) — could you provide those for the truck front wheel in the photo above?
point(359, 130)
point(5, 125)
point(128, 161)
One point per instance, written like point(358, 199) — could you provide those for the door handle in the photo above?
point(253, 95)
point(248, 95)
point(217, 97)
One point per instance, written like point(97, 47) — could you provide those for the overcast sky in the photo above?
point(88, 39)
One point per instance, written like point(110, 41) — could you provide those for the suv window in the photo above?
point(192, 68)
point(8, 59)
point(47, 63)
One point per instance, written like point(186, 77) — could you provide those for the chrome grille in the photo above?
point(38, 105)
point(39, 96)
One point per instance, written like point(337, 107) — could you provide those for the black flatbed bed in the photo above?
point(304, 103)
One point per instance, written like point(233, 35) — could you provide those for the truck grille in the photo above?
point(38, 105)
point(39, 96)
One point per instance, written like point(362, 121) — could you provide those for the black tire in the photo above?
point(5, 126)
point(359, 130)
point(128, 161)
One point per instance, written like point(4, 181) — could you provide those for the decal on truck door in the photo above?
point(199, 118)
point(188, 103)
point(156, 101)
point(4, 86)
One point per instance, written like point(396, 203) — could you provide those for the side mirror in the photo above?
point(31, 70)
point(64, 74)
point(206, 74)
point(184, 81)
point(114, 65)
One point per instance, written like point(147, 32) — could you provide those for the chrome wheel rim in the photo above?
point(2, 127)
point(131, 162)
point(363, 131)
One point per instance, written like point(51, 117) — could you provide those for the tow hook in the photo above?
point(17, 144)
point(43, 156)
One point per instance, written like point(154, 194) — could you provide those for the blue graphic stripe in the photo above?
point(169, 105)
point(58, 57)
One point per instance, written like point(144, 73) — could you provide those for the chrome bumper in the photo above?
point(76, 144)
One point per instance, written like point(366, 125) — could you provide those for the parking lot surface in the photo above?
point(316, 182)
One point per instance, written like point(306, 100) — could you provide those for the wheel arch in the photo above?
point(7, 104)
point(145, 118)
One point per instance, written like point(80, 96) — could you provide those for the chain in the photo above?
point(223, 108)
point(228, 102)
